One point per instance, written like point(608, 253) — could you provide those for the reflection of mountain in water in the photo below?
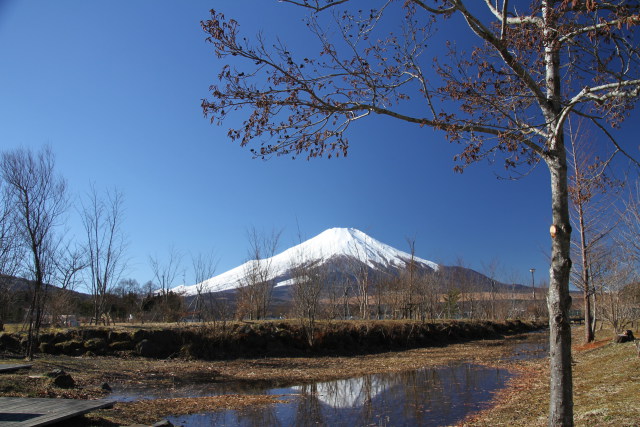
point(350, 393)
point(455, 384)
point(428, 396)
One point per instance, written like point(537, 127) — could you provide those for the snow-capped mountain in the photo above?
point(330, 245)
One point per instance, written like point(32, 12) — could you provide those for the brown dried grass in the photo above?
point(606, 380)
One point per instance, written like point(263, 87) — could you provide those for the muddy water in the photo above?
point(424, 397)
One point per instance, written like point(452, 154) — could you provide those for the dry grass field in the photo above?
point(606, 388)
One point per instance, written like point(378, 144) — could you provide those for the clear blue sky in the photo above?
point(115, 89)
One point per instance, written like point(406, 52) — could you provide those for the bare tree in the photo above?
point(510, 94)
point(394, 296)
point(105, 246)
point(7, 298)
point(451, 301)
point(336, 299)
point(592, 205)
point(515, 309)
point(491, 271)
point(256, 288)
point(132, 296)
point(309, 280)
point(429, 291)
point(407, 294)
point(38, 198)
point(165, 273)
point(456, 284)
point(204, 267)
point(381, 294)
point(410, 276)
point(358, 266)
point(146, 299)
point(617, 306)
point(69, 263)
point(629, 235)
point(471, 294)
point(10, 251)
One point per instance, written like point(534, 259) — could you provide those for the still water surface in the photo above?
point(424, 397)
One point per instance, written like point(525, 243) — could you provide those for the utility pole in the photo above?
point(533, 283)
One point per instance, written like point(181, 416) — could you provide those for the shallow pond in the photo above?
point(428, 396)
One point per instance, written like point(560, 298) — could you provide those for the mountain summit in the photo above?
point(331, 244)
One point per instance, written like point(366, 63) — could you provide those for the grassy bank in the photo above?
point(216, 341)
point(606, 388)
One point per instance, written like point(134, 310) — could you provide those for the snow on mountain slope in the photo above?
point(326, 245)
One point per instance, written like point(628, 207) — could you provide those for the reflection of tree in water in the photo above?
point(258, 416)
point(309, 409)
point(349, 393)
point(445, 393)
point(212, 419)
point(370, 388)
point(422, 395)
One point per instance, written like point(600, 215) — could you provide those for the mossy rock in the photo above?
point(62, 336)
point(167, 339)
point(148, 348)
point(64, 380)
point(140, 335)
point(277, 348)
point(95, 345)
point(192, 351)
point(47, 347)
point(71, 347)
point(88, 334)
point(118, 336)
point(255, 340)
point(10, 342)
point(46, 338)
point(122, 345)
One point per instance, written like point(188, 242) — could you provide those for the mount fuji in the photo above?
point(333, 247)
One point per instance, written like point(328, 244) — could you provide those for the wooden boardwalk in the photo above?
point(23, 412)
point(8, 367)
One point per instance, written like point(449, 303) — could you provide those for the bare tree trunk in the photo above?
point(594, 310)
point(559, 300)
point(588, 331)
point(589, 334)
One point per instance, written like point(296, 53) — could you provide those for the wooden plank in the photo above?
point(9, 367)
point(28, 412)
